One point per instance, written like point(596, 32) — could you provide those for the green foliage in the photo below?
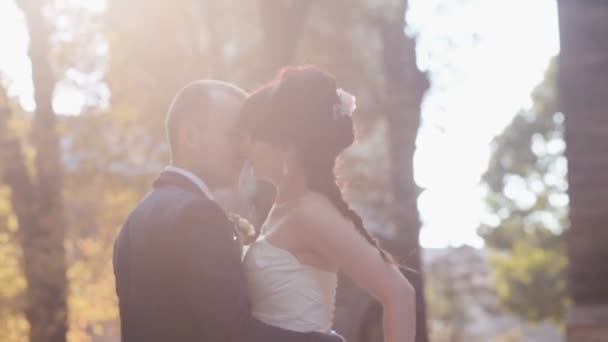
point(448, 311)
point(527, 199)
point(531, 281)
point(13, 326)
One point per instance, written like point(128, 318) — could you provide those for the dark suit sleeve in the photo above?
point(122, 276)
point(214, 281)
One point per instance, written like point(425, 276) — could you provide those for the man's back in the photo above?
point(149, 273)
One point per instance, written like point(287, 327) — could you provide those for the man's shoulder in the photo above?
point(178, 214)
point(176, 197)
point(172, 205)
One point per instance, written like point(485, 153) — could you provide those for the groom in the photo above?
point(177, 258)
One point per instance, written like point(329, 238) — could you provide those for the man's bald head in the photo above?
point(195, 102)
point(200, 130)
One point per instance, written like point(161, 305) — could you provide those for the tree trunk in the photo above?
point(282, 24)
point(43, 248)
point(404, 89)
point(583, 71)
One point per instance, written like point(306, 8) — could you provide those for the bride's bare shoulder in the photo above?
point(324, 229)
point(317, 211)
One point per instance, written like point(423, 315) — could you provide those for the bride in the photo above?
point(297, 125)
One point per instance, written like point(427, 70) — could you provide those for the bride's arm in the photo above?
point(335, 238)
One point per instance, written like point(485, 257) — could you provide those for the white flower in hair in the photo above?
point(346, 105)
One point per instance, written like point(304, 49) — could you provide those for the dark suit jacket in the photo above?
point(179, 275)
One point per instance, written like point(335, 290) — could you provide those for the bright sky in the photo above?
point(497, 54)
point(484, 58)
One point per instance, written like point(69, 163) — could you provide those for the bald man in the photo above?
point(177, 258)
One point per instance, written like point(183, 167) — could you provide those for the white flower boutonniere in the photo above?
point(246, 230)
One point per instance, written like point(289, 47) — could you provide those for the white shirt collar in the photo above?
point(192, 177)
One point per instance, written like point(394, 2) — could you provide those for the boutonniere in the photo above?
point(245, 229)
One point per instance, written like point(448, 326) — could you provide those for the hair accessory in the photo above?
point(347, 103)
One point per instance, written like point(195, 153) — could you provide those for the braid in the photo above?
point(322, 180)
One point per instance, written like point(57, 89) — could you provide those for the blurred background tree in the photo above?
point(38, 201)
point(527, 198)
point(12, 294)
point(447, 308)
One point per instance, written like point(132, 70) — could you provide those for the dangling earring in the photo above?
point(285, 168)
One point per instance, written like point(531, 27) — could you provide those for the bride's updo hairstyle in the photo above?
point(300, 107)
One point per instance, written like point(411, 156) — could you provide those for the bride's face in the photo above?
point(267, 160)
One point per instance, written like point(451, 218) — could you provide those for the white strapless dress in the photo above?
point(287, 294)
